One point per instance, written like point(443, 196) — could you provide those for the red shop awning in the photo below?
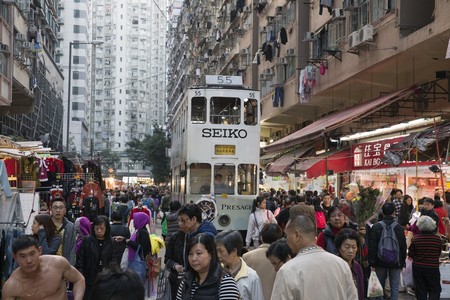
point(338, 162)
point(336, 120)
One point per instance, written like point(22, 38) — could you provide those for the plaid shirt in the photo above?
point(398, 205)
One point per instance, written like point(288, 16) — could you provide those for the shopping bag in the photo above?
point(124, 260)
point(138, 265)
point(164, 291)
point(407, 273)
point(374, 289)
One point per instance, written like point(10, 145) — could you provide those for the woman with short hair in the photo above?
point(205, 279)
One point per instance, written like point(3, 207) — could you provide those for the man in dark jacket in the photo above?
point(380, 267)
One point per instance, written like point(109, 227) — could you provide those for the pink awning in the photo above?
point(282, 164)
point(336, 120)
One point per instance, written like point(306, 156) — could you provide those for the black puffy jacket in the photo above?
point(89, 254)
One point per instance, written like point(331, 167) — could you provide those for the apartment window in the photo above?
point(3, 64)
point(120, 59)
point(77, 13)
point(336, 34)
point(120, 134)
point(321, 43)
point(78, 106)
point(120, 91)
point(79, 29)
point(78, 75)
point(120, 123)
point(359, 17)
point(78, 90)
point(79, 60)
point(381, 7)
point(120, 112)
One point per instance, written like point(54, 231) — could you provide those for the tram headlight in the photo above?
point(224, 220)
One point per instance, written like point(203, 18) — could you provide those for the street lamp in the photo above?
point(93, 43)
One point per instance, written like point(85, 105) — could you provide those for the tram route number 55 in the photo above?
point(223, 80)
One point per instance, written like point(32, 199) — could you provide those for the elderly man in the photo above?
point(298, 278)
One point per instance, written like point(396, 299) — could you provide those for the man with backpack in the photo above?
point(387, 249)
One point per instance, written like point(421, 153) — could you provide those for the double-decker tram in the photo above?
point(215, 150)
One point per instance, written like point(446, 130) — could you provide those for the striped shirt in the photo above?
point(425, 250)
point(228, 289)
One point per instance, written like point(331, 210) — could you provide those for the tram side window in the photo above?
point(200, 178)
point(198, 111)
point(225, 110)
point(250, 111)
point(247, 179)
point(224, 179)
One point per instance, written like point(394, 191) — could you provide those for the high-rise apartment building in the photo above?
point(129, 86)
point(74, 29)
point(30, 82)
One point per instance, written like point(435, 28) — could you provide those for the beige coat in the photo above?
point(312, 275)
point(257, 260)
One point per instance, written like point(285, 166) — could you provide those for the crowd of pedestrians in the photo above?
point(65, 260)
point(296, 247)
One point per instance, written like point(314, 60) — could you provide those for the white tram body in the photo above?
point(215, 150)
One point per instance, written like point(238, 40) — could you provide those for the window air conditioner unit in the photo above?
point(27, 45)
point(59, 52)
point(244, 51)
point(282, 61)
point(59, 36)
point(60, 21)
point(261, 77)
point(4, 48)
point(278, 10)
point(268, 71)
point(366, 34)
point(310, 37)
point(263, 29)
point(247, 9)
point(20, 37)
point(290, 52)
point(353, 39)
point(338, 13)
point(350, 4)
point(61, 5)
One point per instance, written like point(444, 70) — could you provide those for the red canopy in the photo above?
point(337, 162)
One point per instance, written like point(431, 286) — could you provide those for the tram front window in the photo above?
point(247, 179)
point(200, 178)
point(250, 111)
point(225, 110)
point(198, 114)
point(224, 178)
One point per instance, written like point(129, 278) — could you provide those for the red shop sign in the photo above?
point(369, 155)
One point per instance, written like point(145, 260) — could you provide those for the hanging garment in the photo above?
point(92, 189)
point(283, 36)
point(277, 99)
point(5, 186)
point(328, 4)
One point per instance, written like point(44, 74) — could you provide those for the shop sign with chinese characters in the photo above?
point(369, 155)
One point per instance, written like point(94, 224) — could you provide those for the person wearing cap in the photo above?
point(425, 251)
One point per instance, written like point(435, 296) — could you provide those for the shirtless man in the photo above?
point(40, 277)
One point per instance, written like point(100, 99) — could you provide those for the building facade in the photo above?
point(31, 84)
point(313, 63)
point(74, 40)
point(129, 86)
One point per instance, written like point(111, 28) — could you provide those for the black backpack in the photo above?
point(388, 247)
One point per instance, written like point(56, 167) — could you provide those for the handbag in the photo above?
point(164, 289)
point(374, 288)
point(138, 265)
